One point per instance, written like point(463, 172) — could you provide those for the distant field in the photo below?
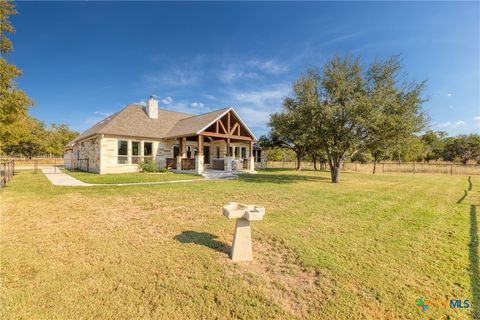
point(367, 248)
point(393, 167)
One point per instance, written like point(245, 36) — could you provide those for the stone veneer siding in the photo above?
point(102, 152)
point(88, 149)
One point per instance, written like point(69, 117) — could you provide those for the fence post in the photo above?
point(383, 167)
point(413, 167)
point(451, 169)
point(13, 167)
point(5, 173)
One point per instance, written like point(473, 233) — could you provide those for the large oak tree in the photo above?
point(344, 110)
point(14, 103)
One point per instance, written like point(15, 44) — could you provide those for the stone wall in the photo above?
point(164, 150)
point(88, 149)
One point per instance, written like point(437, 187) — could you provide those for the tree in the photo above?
point(14, 103)
point(291, 128)
point(32, 143)
point(409, 148)
point(344, 110)
point(396, 109)
point(434, 144)
point(462, 148)
point(57, 136)
point(359, 111)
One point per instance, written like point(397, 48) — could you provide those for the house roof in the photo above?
point(192, 125)
point(134, 121)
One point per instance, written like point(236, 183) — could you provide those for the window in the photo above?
point(218, 152)
point(147, 150)
point(189, 152)
point(176, 151)
point(135, 151)
point(258, 156)
point(122, 152)
point(244, 153)
point(206, 154)
point(237, 152)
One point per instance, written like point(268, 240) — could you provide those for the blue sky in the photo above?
point(85, 60)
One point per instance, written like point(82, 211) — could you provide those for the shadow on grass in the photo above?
point(203, 238)
point(469, 183)
point(463, 197)
point(280, 178)
point(473, 254)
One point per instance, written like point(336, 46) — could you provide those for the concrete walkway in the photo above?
point(58, 178)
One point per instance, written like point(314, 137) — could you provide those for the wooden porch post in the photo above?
point(200, 145)
point(251, 149)
point(228, 148)
point(184, 146)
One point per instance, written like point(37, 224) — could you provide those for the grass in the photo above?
point(367, 248)
point(113, 178)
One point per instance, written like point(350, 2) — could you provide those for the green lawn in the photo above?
point(130, 177)
point(367, 248)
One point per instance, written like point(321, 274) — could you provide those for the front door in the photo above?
point(206, 155)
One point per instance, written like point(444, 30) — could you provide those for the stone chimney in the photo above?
point(152, 108)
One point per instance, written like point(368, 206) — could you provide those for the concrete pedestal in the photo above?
point(199, 164)
point(242, 238)
point(179, 163)
point(251, 164)
point(228, 163)
point(242, 241)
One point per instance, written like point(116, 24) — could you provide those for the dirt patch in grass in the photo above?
point(277, 271)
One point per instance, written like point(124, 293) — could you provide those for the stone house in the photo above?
point(216, 140)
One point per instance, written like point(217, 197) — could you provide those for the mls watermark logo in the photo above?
point(455, 303)
point(459, 304)
point(421, 304)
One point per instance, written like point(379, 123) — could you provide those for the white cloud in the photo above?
point(452, 125)
point(263, 99)
point(268, 66)
point(167, 100)
point(234, 72)
point(477, 118)
point(449, 95)
point(253, 117)
point(197, 105)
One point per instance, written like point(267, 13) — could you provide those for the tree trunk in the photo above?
point(374, 165)
point(299, 161)
point(314, 158)
point(335, 168)
point(335, 173)
point(323, 166)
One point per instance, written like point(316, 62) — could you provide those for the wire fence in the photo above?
point(7, 169)
point(389, 167)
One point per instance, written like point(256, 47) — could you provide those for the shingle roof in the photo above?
point(134, 121)
point(192, 125)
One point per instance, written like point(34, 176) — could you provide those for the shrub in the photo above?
point(148, 166)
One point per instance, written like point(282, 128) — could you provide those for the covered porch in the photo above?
point(224, 144)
